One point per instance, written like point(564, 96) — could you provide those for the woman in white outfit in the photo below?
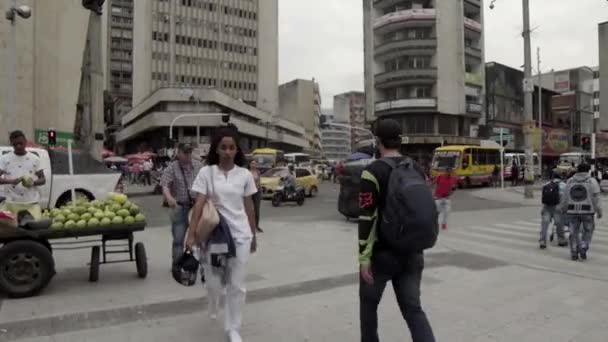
point(232, 188)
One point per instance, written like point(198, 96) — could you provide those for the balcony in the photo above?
point(474, 108)
point(473, 52)
point(473, 2)
point(472, 25)
point(396, 77)
point(473, 79)
point(407, 44)
point(406, 103)
point(404, 17)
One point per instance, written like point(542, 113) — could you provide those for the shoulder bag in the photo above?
point(210, 218)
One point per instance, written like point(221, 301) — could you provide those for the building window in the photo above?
point(419, 62)
point(447, 124)
point(422, 92)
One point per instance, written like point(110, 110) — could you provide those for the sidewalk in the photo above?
point(133, 190)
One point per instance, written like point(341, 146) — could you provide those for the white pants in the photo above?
point(444, 205)
point(235, 286)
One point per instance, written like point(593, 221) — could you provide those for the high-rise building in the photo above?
point(602, 76)
point(336, 141)
point(300, 102)
point(231, 46)
point(424, 66)
point(350, 108)
point(205, 58)
point(118, 71)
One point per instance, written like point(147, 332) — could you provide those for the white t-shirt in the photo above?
point(14, 166)
point(229, 190)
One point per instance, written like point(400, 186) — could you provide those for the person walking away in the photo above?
point(136, 173)
point(552, 193)
point(445, 184)
point(339, 171)
point(514, 174)
point(379, 259)
point(581, 203)
point(147, 169)
point(229, 185)
point(257, 197)
point(22, 175)
point(496, 176)
point(176, 182)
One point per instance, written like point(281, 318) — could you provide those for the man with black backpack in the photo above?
point(398, 222)
point(551, 197)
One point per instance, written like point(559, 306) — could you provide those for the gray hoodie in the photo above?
point(582, 177)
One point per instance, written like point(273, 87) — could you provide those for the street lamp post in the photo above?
point(528, 90)
point(12, 13)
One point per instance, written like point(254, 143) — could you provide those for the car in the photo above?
point(91, 178)
point(304, 177)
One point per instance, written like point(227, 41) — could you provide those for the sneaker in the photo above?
point(444, 226)
point(542, 244)
point(583, 254)
point(233, 336)
point(574, 257)
point(562, 243)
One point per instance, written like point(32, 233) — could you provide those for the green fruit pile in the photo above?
point(115, 210)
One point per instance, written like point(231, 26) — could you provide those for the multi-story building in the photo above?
point(602, 76)
point(505, 113)
point(336, 141)
point(351, 105)
point(424, 66)
point(231, 46)
point(118, 62)
point(300, 102)
point(206, 57)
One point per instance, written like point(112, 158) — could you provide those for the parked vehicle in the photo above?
point(91, 179)
point(520, 161)
point(268, 158)
point(473, 165)
point(568, 162)
point(282, 194)
point(270, 181)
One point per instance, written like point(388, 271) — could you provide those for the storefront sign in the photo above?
point(555, 141)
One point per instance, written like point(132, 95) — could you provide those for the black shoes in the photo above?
point(583, 253)
point(574, 257)
point(542, 244)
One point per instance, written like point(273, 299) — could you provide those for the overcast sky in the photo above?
point(324, 38)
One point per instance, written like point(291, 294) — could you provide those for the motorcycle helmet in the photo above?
point(187, 269)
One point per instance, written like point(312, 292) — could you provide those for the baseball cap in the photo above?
point(388, 129)
point(185, 147)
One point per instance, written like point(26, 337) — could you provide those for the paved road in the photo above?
point(323, 207)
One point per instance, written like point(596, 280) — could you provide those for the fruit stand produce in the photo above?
point(26, 259)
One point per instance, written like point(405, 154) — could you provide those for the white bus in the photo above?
point(298, 159)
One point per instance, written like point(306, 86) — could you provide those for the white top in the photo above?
point(14, 166)
point(147, 166)
point(229, 190)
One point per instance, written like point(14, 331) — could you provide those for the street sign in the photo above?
point(405, 140)
point(528, 86)
point(42, 137)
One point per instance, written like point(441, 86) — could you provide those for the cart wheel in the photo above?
point(26, 267)
point(94, 267)
point(140, 260)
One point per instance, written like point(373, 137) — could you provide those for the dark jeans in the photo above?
point(406, 284)
point(257, 199)
point(179, 226)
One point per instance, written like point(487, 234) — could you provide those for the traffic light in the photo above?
point(52, 137)
point(586, 143)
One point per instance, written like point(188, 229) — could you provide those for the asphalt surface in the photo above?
point(322, 207)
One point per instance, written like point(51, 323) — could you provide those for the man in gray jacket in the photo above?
point(581, 203)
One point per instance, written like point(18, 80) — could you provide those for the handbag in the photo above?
point(210, 218)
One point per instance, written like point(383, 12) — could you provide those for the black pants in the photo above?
point(406, 285)
point(257, 199)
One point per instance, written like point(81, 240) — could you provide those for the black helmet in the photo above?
point(187, 269)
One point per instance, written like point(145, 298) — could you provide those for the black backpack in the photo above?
point(409, 217)
point(551, 193)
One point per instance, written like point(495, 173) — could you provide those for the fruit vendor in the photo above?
point(22, 174)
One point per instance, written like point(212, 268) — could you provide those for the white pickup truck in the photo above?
point(91, 178)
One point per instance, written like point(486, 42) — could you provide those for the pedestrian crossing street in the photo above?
point(518, 236)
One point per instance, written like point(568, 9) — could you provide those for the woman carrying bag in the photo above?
point(229, 186)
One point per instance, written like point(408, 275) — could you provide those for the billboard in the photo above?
point(562, 82)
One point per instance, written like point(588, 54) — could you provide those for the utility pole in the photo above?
point(529, 120)
point(540, 114)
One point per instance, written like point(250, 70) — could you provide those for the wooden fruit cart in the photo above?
point(26, 256)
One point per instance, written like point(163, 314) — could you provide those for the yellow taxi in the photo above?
point(304, 177)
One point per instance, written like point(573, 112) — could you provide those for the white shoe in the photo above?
point(233, 336)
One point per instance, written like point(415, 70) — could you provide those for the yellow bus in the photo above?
point(268, 158)
point(473, 165)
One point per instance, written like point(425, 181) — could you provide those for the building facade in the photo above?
point(336, 141)
point(424, 66)
point(350, 108)
point(118, 59)
point(231, 46)
point(300, 102)
point(505, 113)
point(601, 97)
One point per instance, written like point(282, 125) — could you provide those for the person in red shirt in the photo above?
point(445, 184)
